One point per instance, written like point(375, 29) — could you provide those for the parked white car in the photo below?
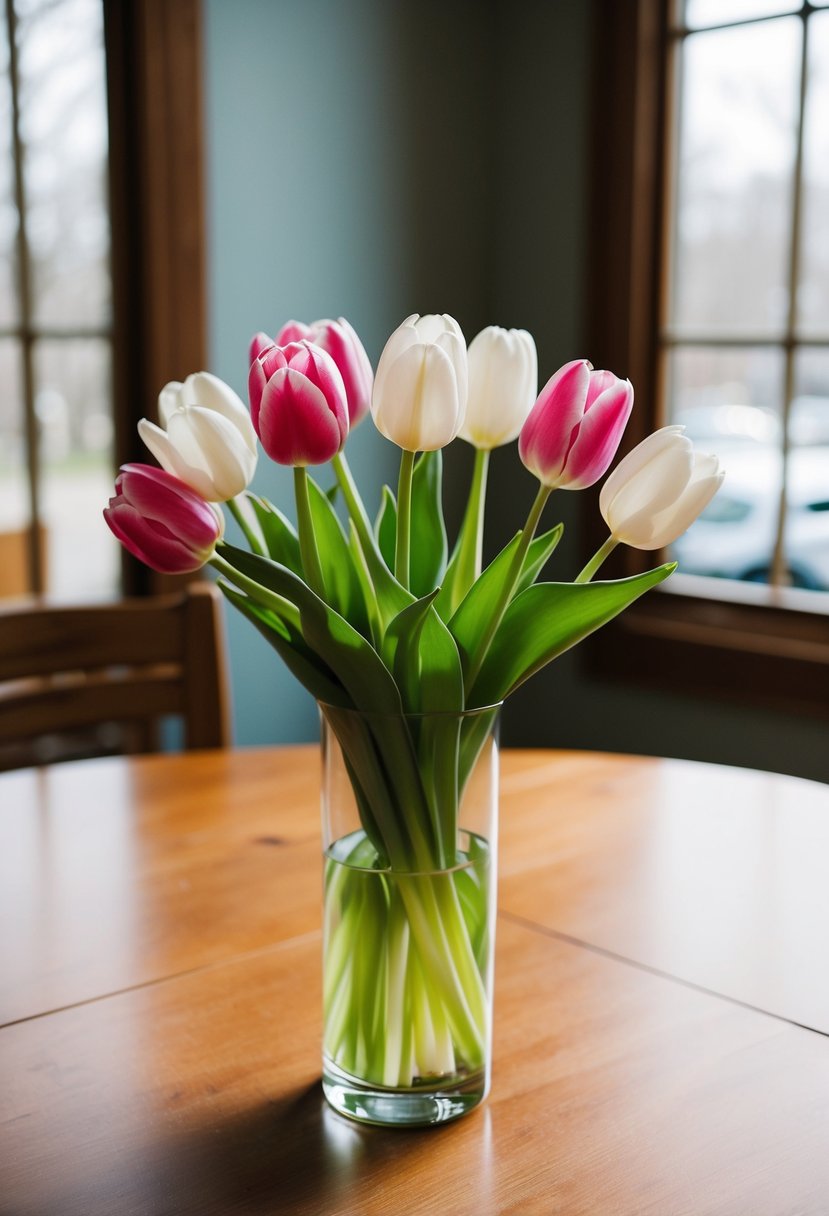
point(735, 535)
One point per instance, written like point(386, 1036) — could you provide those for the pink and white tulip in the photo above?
point(206, 438)
point(341, 342)
point(161, 521)
point(657, 491)
point(421, 385)
point(298, 403)
point(503, 384)
point(575, 426)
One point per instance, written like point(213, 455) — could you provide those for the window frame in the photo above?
point(156, 165)
point(742, 643)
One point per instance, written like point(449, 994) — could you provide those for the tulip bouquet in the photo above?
point(408, 645)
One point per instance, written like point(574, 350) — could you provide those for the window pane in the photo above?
point(738, 110)
point(73, 408)
point(727, 398)
point(8, 211)
point(64, 130)
point(14, 492)
point(730, 403)
point(807, 520)
point(718, 12)
point(813, 292)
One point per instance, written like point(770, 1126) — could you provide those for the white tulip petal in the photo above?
point(173, 461)
point(419, 408)
point(224, 453)
point(170, 399)
point(212, 393)
point(403, 338)
point(503, 385)
point(630, 465)
point(670, 524)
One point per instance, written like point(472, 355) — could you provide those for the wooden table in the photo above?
point(661, 1012)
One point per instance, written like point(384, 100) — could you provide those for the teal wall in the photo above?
point(376, 159)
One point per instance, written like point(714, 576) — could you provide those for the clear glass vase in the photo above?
point(410, 814)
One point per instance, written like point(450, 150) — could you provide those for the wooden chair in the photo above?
point(96, 680)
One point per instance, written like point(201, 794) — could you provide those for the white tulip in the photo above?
point(503, 386)
point(206, 438)
point(658, 490)
point(420, 387)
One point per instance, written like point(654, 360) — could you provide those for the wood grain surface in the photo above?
point(160, 963)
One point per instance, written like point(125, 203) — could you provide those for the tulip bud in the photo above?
point(298, 403)
point(421, 385)
point(575, 426)
point(658, 490)
point(161, 521)
point(206, 438)
point(340, 341)
point(503, 383)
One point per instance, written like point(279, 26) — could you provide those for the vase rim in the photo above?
point(472, 712)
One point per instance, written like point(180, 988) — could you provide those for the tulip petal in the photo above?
point(420, 410)
point(173, 461)
point(169, 400)
point(656, 486)
point(404, 337)
point(630, 466)
point(599, 435)
point(218, 449)
point(503, 384)
point(296, 424)
point(213, 394)
point(157, 495)
point(293, 331)
point(547, 434)
point(155, 547)
point(259, 342)
point(667, 525)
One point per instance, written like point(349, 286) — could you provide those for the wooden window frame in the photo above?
point(721, 640)
point(156, 161)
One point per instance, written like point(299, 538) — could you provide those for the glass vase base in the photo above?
point(419, 1106)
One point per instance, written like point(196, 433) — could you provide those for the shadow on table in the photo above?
point(294, 1155)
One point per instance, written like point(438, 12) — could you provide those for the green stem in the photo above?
point(353, 501)
point(307, 540)
point(510, 583)
point(470, 547)
point(251, 537)
point(596, 560)
point(404, 518)
point(255, 591)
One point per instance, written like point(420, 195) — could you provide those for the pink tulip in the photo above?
point(575, 426)
point(345, 348)
point(298, 403)
point(161, 521)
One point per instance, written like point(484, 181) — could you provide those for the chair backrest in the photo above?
point(96, 679)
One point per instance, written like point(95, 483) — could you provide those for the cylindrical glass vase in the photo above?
point(410, 815)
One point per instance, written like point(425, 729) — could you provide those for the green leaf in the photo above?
point(290, 646)
point(537, 557)
point(352, 659)
point(547, 619)
point(441, 674)
point(278, 532)
point(343, 589)
point(481, 602)
point(385, 527)
point(401, 647)
point(428, 555)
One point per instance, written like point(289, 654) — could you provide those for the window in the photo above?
point(711, 289)
point(101, 273)
point(55, 301)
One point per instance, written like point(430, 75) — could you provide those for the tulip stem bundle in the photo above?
point(409, 654)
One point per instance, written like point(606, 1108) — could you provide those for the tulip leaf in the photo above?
point(547, 619)
point(343, 589)
point(385, 527)
point(428, 555)
point(352, 659)
point(441, 673)
point(538, 555)
point(291, 648)
point(281, 540)
point(400, 645)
